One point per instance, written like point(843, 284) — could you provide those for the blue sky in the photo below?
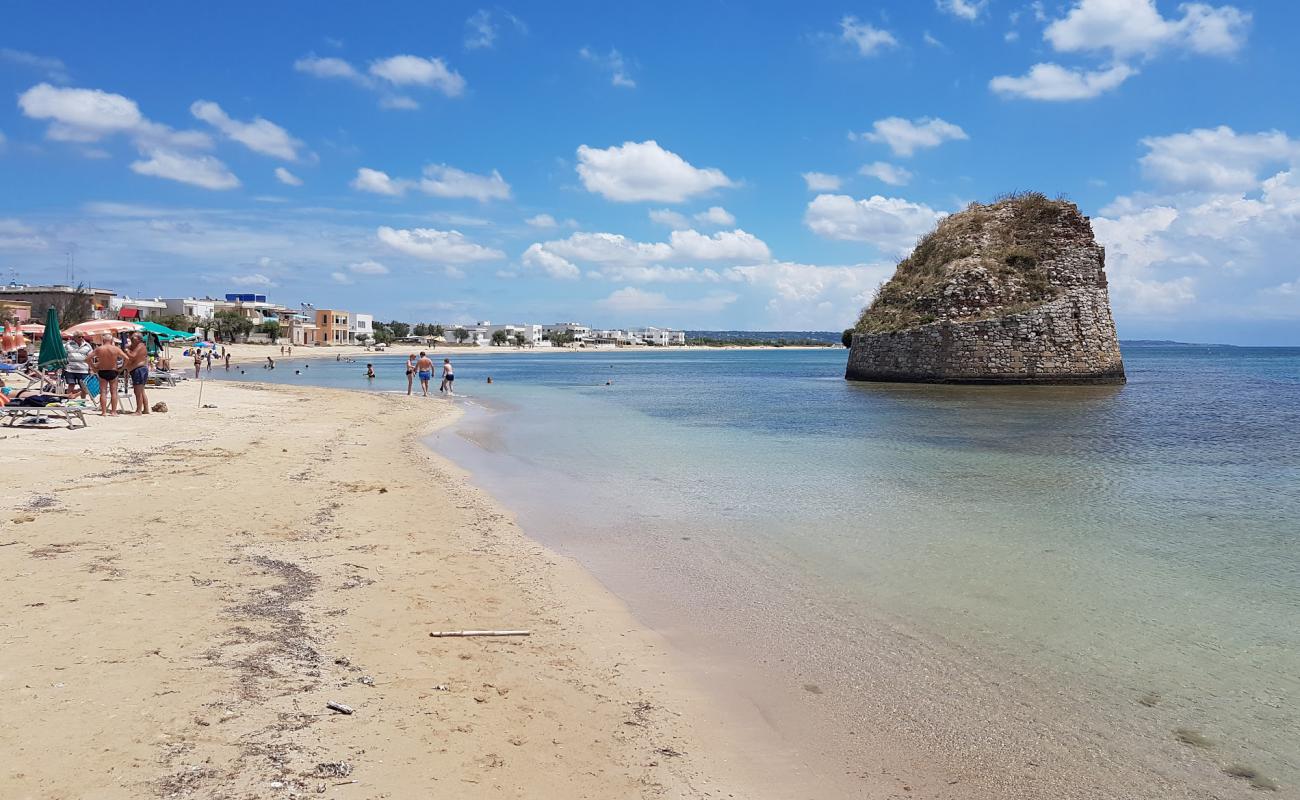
point(702, 164)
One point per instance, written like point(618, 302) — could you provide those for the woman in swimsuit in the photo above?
point(410, 373)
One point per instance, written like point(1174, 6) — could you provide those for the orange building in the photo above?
point(333, 327)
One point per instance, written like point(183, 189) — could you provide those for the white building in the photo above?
point(660, 337)
point(190, 307)
point(137, 308)
point(532, 333)
point(612, 336)
point(579, 331)
point(360, 325)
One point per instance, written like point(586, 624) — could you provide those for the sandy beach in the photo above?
point(185, 592)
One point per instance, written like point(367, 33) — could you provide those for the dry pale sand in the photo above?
point(183, 593)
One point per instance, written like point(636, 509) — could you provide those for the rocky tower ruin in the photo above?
point(1013, 292)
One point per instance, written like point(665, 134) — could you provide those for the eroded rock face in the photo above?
point(1013, 292)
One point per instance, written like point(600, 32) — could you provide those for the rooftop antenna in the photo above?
point(72, 263)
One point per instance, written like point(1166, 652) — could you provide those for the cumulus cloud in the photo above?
point(408, 70)
point(556, 266)
point(441, 180)
point(252, 280)
point(1216, 159)
point(805, 296)
point(260, 135)
point(715, 215)
point(1054, 82)
point(666, 216)
point(904, 137)
point(612, 63)
point(286, 177)
point(612, 252)
point(631, 299)
point(544, 221)
point(891, 224)
point(886, 173)
point(865, 38)
point(964, 9)
point(368, 267)
point(822, 182)
point(429, 244)
point(197, 170)
point(330, 68)
point(1127, 28)
point(341, 277)
point(377, 182)
point(644, 171)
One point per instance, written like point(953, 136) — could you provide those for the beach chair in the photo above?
point(40, 415)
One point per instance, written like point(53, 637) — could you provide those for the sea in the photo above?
point(1036, 591)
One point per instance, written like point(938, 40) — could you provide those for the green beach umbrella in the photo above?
point(53, 354)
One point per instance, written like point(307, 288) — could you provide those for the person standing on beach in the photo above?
point(424, 370)
point(137, 366)
point(77, 370)
point(227, 357)
point(198, 362)
point(410, 373)
point(107, 360)
point(448, 377)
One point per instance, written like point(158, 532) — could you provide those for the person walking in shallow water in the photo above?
point(424, 370)
point(410, 373)
point(448, 377)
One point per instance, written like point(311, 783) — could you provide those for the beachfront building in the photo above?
point(192, 307)
point(532, 333)
point(579, 331)
point(252, 307)
point(615, 336)
point(334, 326)
point(361, 327)
point(19, 311)
point(137, 308)
point(660, 337)
point(42, 297)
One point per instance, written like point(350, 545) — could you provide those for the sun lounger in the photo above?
point(40, 414)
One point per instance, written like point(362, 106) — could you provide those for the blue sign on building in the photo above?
point(245, 298)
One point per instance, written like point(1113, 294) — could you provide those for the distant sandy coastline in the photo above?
point(184, 593)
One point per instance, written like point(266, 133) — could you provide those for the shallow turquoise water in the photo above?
point(1105, 544)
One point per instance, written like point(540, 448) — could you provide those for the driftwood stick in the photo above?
point(339, 707)
point(442, 634)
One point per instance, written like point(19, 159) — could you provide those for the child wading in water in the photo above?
point(448, 377)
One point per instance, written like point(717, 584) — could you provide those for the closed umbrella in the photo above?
point(53, 354)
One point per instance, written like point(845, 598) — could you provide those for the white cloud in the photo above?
point(408, 70)
point(808, 297)
point(716, 215)
point(905, 137)
point(965, 9)
point(608, 248)
point(441, 180)
point(377, 182)
point(88, 115)
point(637, 171)
point(1054, 82)
point(1217, 159)
point(1127, 28)
point(631, 299)
point(449, 247)
point(2, 141)
point(822, 182)
point(865, 38)
point(734, 245)
point(657, 273)
point(886, 173)
point(330, 68)
point(931, 40)
point(341, 277)
point(54, 69)
point(203, 171)
point(252, 280)
point(368, 267)
point(398, 102)
point(613, 63)
point(16, 235)
point(891, 224)
point(260, 135)
point(666, 216)
point(544, 221)
point(286, 177)
point(479, 30)
point(554, 265)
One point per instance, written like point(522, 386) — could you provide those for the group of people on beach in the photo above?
point(422, 367)
point(108, 362)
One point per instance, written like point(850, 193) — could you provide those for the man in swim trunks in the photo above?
point(448, 377)
point(137, 364)
point(424, 370)
point(107, 361)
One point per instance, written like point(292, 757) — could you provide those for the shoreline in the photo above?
point(271, 555)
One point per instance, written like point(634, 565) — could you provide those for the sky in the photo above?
point(698, 164)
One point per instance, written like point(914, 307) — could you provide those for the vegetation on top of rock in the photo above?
point(985, 261)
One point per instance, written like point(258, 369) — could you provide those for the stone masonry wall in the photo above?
point(1070, 339)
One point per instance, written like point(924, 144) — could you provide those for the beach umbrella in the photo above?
point(96, 327)
point(34, 328)
point(52, 355)
point(165, 333)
